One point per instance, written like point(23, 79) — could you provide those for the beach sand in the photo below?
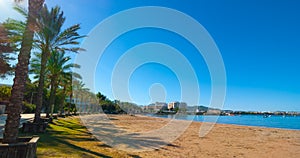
point(221, 141)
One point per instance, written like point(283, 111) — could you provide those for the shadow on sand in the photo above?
point(104, 130)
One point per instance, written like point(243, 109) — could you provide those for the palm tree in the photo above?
point(58, 73)
point(14, 108)
point(100, 96)
point(66, 83)
point(78, 90)
point(59, 69)
point(51, 38)
point(92, 101)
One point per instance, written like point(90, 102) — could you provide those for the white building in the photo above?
point(173, 105)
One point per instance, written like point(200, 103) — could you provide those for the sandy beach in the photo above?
point(222, 141)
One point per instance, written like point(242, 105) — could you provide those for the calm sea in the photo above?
point(286, 122)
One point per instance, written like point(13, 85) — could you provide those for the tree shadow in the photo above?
point(60, 135)
point(113, 136)
point(134, 156)
point(104, 146)
point(80, 148)
point(69, 124)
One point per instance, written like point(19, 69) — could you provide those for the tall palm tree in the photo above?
point(14, 108)
point(51, 38)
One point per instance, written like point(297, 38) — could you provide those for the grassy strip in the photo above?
point(66, 137)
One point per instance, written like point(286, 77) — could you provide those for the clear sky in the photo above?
point(258, 40)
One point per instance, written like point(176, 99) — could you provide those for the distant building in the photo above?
point(173, 105)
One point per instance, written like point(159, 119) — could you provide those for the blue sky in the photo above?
point(258, 40)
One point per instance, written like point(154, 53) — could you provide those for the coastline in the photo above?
point(223, 140)
point(226, 123)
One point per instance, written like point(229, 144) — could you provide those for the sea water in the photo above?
point(272, 121)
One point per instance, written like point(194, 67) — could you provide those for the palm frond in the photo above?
point(21, 10)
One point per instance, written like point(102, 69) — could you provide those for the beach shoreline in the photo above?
point(233, 123)
point(223, 140)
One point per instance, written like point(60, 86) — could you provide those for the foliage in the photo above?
point(30, 92)
point(110, 107)
point(101, 97)
point(11, 32)
point(51, 37)
point(176, 109)
point(59, 69)
point(28, 108)
point(81, 95)
point(72, 107)
point(5, 47)
point(5, 93)
point(130, 107)
point(116, 107)
point(58, 97)
point(51, 40)
point(107, 105)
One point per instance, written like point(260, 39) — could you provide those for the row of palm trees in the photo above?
point(43, 31)
point(51, 41)
point(57, 74)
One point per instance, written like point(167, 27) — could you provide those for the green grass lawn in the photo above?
point(66, 137)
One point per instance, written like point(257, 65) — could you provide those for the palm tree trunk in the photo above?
point(69, 105)
point(40, 92)
point(52, 96)
point(62, 102)
point(14, 108)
